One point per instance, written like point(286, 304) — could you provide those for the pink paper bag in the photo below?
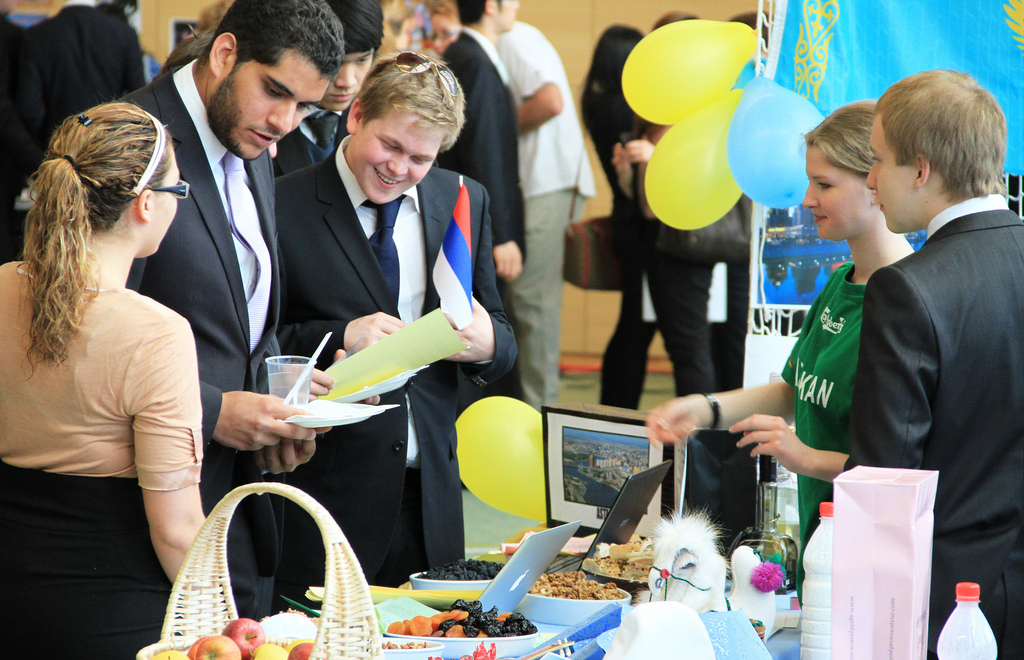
point(881, 563)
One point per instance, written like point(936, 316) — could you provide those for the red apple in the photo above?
point(301, 651)
point(247, 634)
point(215, 647)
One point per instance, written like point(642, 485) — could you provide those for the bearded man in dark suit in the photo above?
point(269, 63)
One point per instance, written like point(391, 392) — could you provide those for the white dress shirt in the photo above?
point(412, 261)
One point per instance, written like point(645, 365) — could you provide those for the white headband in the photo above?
point(154, 160)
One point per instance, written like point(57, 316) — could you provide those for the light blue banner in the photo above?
point(838, 51)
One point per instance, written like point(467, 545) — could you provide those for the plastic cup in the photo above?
point(283, 371)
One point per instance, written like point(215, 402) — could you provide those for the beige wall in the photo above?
point(573, 26)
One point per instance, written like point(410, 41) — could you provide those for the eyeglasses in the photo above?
point(179, 190)
point(410, 62)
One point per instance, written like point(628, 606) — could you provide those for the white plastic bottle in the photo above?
point(816, 610)
point(967, 635)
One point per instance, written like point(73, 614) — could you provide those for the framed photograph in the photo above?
point(589, 451)
point(181, 29)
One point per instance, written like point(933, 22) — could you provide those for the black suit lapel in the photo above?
point(343, 223)
point(195, 168)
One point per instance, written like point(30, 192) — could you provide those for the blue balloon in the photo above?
point(746, 75)
point(765, 146)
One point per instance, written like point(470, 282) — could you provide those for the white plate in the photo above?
point(433, 648)
point(383, 387)
point(330, 413)
point(454, 647)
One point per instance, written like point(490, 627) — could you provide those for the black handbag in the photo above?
point(725, 240)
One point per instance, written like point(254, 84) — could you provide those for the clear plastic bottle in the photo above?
point(816, 609)
point(967, 635)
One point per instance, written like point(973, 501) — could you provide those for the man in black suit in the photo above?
point(391, 482)
point(320, 133)
point(79, 58)
point(488, 147)
point(940, 377)
point(268, 63)
point(22, 154)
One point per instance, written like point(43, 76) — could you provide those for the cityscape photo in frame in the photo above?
point(589, 452)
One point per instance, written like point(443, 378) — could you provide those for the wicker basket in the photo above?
point(202, 604)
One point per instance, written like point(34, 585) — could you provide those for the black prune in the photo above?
point(445, 625)
point(464, 569)
point(471, 631)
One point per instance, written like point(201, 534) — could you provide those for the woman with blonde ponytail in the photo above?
point(100, 420)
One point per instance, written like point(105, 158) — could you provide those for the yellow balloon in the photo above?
point(684, 66)
point(501, 455)
point(689, 184)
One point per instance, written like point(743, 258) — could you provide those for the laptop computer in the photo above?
point(525, 565)
point(629, 507)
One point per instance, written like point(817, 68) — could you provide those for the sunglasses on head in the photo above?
point(179, 190)
point(410, 62)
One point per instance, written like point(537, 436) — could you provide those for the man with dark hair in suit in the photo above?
point(487, 149)
point(269, 63)
point(320, 133)
point(339, 220)
point(940, 376)
point(77, 59)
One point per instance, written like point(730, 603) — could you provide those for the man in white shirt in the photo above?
point(940, 376)
point(555, 175)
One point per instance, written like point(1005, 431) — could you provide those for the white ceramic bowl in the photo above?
point(454, 648)
point(447, 585)
point(433, 649)
point(564, 611)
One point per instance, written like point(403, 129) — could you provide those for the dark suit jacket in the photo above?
point(21, 153)
point(293, 149)
point(488, 146)
point(331, 278)
point(940, 386)
point(195, 272)
point(79, 58)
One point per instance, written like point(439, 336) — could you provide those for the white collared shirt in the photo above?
point(967, 207)
point(491, 50)
point(185, 83)
point(412, 261)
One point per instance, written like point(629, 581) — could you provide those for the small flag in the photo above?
point(453, 270)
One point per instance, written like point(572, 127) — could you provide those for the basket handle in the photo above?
point(201, 601)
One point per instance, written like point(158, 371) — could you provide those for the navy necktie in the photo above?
point(383, 241)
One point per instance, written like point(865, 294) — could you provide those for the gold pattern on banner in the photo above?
point(811, 57)
point(1015, 12)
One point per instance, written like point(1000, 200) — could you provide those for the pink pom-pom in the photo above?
point(767, 577)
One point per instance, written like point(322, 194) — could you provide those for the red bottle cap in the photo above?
point(826, 509)
point(968, 592)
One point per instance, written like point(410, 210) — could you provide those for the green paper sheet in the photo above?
point(426, 340)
